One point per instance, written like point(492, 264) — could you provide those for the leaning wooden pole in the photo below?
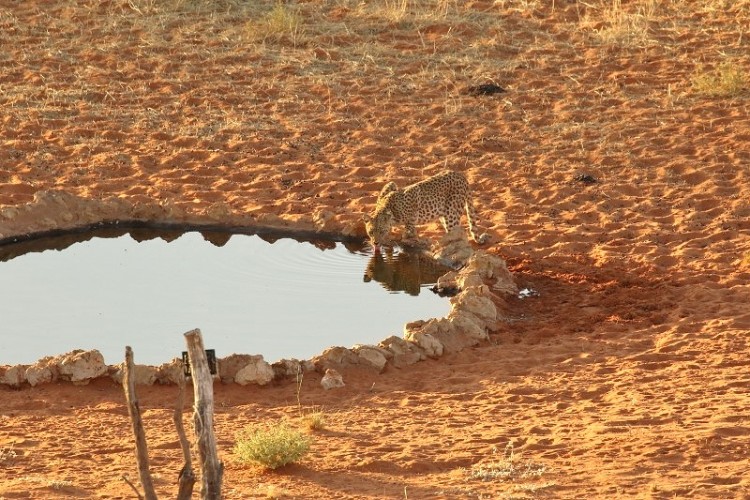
point(211, 467)
point(187, 476)
point(141, 448)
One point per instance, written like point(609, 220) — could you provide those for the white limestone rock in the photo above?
point(232, 364)
point(142, 374)
point(336, 358)
point(487, 268)
point(13, 376)
point(286, 368)
point(257, 371)
point(475, 300)
point(453, 248)
point(373, 356)
point(332, 380)
point(418, 333)
point(81, 366)
point(403, 353)
point(170, 372)
point(44, 371)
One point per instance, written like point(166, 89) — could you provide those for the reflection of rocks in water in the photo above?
point(59, 242)
point(323, 244)
point(403, 272)
point(144, 234)
point(269, 238)
point(217, 238)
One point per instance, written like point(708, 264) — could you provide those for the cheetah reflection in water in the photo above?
point(403, 271)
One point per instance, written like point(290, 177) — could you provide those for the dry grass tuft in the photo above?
point(282, 22)
point(271, 446)
point(617, 26)
point(274, 492)
point(314, 420)
point(727, 80)
point(508, 468)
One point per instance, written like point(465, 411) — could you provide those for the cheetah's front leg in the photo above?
point(410, 232)
point(450, 221)
point(410, 238)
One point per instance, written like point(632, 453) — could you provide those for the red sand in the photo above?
point(627, 377)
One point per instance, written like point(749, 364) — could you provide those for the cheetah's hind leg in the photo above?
point(471, 217)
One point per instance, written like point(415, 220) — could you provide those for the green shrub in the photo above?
point(271, 446)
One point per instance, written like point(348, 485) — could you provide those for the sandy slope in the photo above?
point(626, 377)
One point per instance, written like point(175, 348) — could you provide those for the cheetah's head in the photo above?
point(378, 226)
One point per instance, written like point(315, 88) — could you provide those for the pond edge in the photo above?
point(484, 283)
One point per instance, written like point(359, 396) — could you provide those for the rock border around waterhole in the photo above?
point(483, 282)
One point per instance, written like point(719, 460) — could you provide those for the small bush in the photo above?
point(725, 81)
point(271, 446)
point(314, 420)
point(507, 468)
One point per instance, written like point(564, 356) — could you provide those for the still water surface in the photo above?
point(284, 299)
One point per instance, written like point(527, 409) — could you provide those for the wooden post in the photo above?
point(141, 448)
point(187, 476)
point(211, 467)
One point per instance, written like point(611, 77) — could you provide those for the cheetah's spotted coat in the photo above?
point(444, 196)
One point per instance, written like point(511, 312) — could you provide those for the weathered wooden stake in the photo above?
point(211, 467)
point(141, 448)
point(187, 476)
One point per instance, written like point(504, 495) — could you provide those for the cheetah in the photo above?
point(444, 196)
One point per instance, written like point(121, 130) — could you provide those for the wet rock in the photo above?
point(446, 285)
point(80, 366)
point(13, 376)
point(332, 380)
point(447, 280)
point(403, 353)
point(257, 371)
point(44, 371)
point(373, 356)
point(142, 374)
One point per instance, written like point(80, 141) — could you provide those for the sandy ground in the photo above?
point(626, 377)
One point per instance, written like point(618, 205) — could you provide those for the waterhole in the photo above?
point(248, 294)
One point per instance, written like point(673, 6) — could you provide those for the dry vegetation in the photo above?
point(292, 77)
point(625, 377)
